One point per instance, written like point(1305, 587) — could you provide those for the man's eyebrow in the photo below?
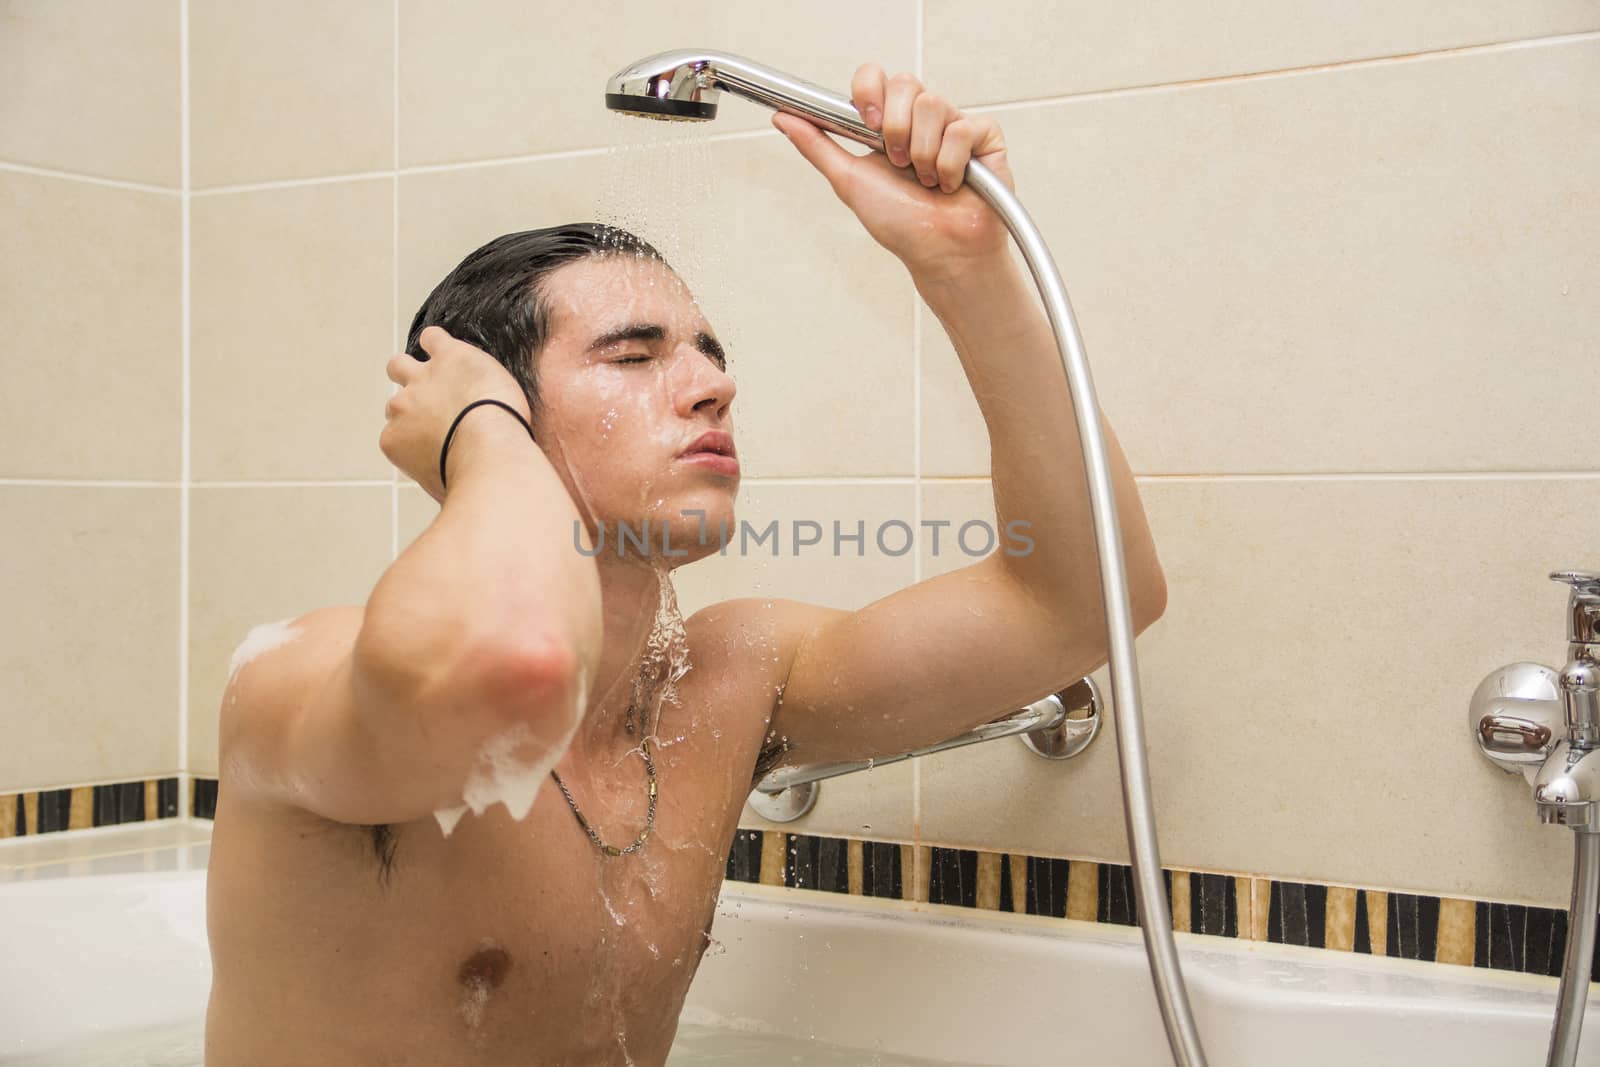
point(651, 331)
point(639, 331)
point(711, 347)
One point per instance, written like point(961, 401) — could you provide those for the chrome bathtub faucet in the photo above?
point(1546, 724)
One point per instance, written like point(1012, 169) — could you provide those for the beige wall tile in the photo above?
point(1032, 48)
point(1323, 272)
point(811, 573)
point(817, 335)
point(292, 304)
point(289, 90)
point(90, 284)
point(500, 78)
point(261, 555)
point(90, 646)
point(92, 87)
point(1308, 685)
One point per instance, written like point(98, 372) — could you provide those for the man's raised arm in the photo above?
point(941, 656)
point(484, 632)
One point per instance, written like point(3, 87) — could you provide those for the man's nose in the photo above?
point(702, 384)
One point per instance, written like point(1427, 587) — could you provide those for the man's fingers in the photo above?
point(866, 93)
point(400, 369)
point(988, 137)
point(434, 341)
point(954, 153)
point(897, 103)
point(928, 117)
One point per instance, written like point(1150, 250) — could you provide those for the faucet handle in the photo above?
point(1583, 605)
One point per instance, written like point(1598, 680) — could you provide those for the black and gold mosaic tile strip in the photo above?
point(49, 811)
point(1506, 937)
point(1435, 929)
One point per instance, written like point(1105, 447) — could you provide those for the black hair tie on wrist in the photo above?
point(445, 451)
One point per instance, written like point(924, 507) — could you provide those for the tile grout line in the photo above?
point(1285, 72)
point(394, 251)
point(88, 179)
point(186, 293)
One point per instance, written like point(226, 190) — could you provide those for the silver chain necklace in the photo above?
point(650, 815)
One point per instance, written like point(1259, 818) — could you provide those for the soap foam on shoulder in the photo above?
point(262, 639)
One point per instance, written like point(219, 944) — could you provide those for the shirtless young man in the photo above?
point(345, 927)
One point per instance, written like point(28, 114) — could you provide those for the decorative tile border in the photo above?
point(49, 811)
point(1473, 933)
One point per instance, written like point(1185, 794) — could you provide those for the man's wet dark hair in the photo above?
point(495, 298)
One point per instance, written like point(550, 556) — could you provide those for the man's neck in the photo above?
point(631, 592)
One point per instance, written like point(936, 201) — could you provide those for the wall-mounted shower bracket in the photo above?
point(1056, 727)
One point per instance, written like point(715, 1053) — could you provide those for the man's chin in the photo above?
point(675, 539)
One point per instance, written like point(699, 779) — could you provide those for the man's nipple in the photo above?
point(485, 969)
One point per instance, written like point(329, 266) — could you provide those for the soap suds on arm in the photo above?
point(498, 776)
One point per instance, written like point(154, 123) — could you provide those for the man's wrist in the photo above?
point(484, 432)
point(952, 284)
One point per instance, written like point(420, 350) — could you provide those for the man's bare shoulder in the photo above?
point(780, 622)
point(749, 644)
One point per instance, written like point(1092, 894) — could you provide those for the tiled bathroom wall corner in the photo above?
point(48, 811)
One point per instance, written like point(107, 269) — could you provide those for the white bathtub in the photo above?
point(114, 953)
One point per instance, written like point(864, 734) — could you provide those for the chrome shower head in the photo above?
point(668, 86)
point(686, 85)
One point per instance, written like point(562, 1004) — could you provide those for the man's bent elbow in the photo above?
point(540, 677)
point(1149, 599)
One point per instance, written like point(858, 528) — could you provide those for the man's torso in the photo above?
point(507, 942)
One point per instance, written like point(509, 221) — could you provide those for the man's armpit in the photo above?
point(771, 755)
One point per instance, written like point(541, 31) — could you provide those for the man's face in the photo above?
point(630, 378)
